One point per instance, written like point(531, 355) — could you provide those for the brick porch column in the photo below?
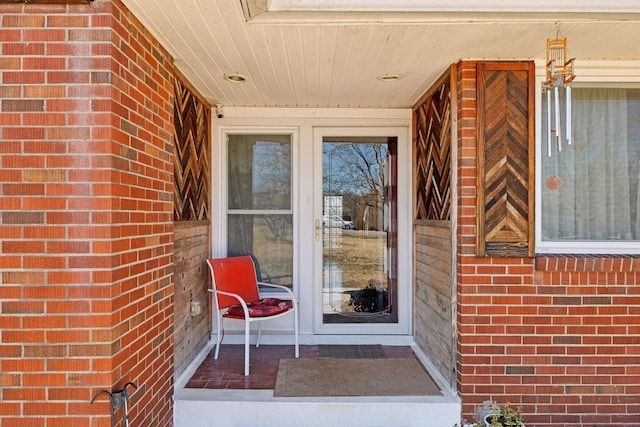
point(86, 218)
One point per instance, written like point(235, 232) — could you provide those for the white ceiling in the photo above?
point(297, 54)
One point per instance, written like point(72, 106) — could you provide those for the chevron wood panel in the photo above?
point(505, 159)
point(191, 165)
point(432, 152)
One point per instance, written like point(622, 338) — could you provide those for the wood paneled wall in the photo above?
point(192, 245)
point(434, 331)
point(505, 159)
point(432, 234)
point(432, 152)
point(192, 171)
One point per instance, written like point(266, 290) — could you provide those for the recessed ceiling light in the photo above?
point(236, 78)
point(390, 77)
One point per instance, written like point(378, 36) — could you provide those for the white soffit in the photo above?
point(330, 59)
point(552, 6)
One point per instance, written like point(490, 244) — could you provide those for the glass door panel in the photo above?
point(358, 224)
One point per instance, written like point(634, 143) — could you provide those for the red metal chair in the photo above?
point(235, 295)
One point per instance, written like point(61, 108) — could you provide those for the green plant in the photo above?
point(508, 417)
point(491, 414)
point(502, 415)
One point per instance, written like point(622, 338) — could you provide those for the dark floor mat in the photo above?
point(352, 351)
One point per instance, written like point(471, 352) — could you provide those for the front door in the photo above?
point(340, 237)
point(357, 232)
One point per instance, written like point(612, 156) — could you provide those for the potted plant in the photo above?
point(368, 299)
point(491, 414)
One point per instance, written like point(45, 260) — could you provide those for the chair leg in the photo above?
point(247, 330)
point(259, 334)
point(296, 328)
point(218, 336)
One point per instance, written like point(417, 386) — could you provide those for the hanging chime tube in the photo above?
point(568, 124)
point(549, 122)
point(557, 105)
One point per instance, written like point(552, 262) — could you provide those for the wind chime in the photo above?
point(559, 76)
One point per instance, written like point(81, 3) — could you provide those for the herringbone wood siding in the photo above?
point(432, 152)
point(505, 159)
point(432, 234)
point(191, 168)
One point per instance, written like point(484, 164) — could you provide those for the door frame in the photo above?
point(301, 122)
point(219, 215)
point(404, 212)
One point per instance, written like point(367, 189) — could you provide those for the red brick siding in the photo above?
point(558, 335)
point(86, 231)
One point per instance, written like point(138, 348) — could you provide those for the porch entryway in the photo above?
point(299, 143)
point(324, 210)
point(215, 392)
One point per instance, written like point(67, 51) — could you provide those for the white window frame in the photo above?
point(588, 74)
point(219, 247)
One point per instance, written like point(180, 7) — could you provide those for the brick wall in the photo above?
point(86, 232)
point(558, 335)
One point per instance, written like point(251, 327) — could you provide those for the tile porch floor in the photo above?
point(228, 371)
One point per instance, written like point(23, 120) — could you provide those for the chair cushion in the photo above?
point(261, 308)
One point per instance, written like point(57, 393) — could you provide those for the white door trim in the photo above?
point(405, 306)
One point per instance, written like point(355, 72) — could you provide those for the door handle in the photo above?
point(318, 229)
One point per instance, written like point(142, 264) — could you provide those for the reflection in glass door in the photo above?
point(359, 229)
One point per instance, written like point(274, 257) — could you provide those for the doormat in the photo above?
point(352, 351)
point(353, 377)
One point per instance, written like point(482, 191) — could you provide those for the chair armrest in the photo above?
point(229, 294)
point(282, 287)
point(245, 309)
